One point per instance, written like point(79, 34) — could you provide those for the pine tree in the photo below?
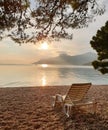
point(100, 44)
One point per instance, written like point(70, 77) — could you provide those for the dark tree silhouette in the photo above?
point(49, 19)
point(100, 44)
point(14, 18)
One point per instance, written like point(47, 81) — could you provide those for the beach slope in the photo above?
point(29, 108)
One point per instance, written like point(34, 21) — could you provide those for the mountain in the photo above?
point(65, 59)
point(12, 64)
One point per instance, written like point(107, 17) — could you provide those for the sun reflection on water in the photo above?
point(44, 80)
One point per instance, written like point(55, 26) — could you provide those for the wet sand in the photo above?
point(29, 108)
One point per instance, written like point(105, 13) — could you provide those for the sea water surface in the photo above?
point(41, 75)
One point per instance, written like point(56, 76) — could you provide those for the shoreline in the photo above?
point(29, 108)
point(39, 86)
point(44, 86)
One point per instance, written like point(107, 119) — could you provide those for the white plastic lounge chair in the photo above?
point(74, 98)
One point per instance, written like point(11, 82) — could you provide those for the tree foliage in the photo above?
point(14, 18)
point(100, 44)
point(49, 19)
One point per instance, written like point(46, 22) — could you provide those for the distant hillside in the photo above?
point(13, 64)
point(66, 59)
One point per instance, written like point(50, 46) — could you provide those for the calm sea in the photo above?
point(41, 75)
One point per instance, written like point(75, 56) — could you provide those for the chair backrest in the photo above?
point(77, 92)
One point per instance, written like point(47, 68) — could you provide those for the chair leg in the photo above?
point(67, 109)
point(53, 100)
point(94, 107)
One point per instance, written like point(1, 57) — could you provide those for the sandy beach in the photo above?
point(29, 108)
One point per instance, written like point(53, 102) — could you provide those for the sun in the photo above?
point(44, 46)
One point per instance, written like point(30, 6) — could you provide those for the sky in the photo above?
point(11, 52)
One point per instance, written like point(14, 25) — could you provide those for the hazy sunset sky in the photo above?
point(11, 52)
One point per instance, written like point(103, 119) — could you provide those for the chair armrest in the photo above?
point(57, 99)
